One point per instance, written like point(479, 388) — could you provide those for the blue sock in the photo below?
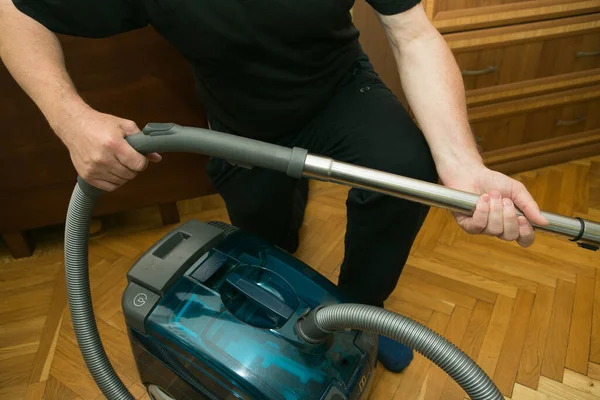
point(393, 355)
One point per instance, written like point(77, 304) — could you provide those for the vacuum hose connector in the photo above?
point(321, 322)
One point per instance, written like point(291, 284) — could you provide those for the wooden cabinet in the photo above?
point(460, 15)
point(531, 71)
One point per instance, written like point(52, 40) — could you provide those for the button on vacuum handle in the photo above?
point(259, 295)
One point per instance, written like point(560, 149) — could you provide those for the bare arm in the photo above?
point(34, 57)
point(435, 91)
point(433, 86)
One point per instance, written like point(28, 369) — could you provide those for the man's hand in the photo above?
point(99, 152)
point(34, 57)
point(432, 83)
point(495, 213)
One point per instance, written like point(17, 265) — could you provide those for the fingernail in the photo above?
point(496, 195)
point(507, 203)
point(486, 198)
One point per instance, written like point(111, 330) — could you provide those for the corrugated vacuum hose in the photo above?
point(296, 163)
point(80, 298)
point(322, 322)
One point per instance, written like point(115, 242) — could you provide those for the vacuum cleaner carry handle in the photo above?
point(260, 296)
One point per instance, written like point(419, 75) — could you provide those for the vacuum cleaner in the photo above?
point(213, 312)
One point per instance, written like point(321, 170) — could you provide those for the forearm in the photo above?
point(434, 88)
point(33, 56)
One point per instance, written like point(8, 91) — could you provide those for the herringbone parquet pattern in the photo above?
point(531, 318)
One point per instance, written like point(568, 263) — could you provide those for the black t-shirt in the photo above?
point(263, 67)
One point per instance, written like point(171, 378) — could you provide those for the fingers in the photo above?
point(103, 185)
point(495, 225)
point(127, 155)
point(504, 223)
point(500, 217)
point(497, 216)
point(511, 225)
point(130, 158)
point(107, 182)
point(124, 164)
point(128, 163)
point(120, 171)
point(103, 168)
point(154, 157)
point(478, 222)
point(525, 202)
point(128, 126)
point(526, 232)
point(101, 154)
point(106, 163)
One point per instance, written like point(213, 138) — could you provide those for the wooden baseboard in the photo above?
point(542, 154)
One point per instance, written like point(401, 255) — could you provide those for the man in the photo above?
point(289, 72)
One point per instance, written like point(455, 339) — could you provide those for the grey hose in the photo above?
point(80, 298)
point(436, 348)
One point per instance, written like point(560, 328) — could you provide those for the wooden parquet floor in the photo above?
point(529, 317)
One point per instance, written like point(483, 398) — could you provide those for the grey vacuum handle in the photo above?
point(236, 149)
point(169, 137)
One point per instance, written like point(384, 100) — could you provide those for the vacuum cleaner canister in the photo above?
point(211, 313)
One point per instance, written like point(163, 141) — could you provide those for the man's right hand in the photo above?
point(99, 152)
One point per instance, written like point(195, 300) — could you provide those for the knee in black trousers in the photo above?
point(366, 125)
point(381, 230)
point(265, 203)
point(363, 124)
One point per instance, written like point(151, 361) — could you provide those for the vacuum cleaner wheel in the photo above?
point(156, 393)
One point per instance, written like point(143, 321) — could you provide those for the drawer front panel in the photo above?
point(537, 124)
point(456, 5)
point(528, 61)
point(462, 15)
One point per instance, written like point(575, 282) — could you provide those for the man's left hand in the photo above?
point(495, 213)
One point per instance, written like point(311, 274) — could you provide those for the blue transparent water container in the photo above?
point(226, 329)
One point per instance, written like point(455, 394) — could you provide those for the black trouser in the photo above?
point(363, 124)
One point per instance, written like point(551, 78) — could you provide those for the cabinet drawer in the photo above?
point(535, 119)
point(497, 57)
point(459, 15)
point(534, 87)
